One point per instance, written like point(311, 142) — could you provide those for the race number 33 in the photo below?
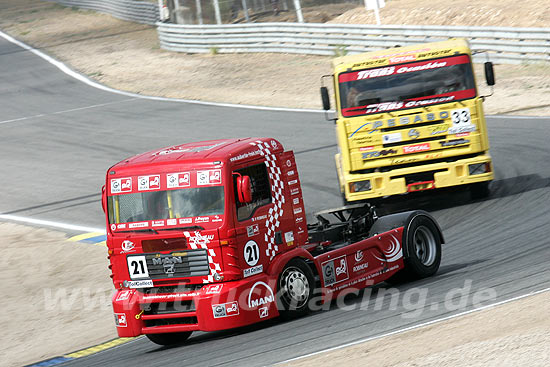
point(137, 267)
point(461, 116)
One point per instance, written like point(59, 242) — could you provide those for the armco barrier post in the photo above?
point(298, 8)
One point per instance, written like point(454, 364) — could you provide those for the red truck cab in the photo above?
point(213, 235)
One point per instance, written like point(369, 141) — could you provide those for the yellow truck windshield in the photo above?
point(404, 86)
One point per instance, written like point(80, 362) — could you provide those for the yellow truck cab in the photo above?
point(410, 119)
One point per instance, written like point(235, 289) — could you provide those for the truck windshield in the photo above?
point(164, 205)
point(411, 85)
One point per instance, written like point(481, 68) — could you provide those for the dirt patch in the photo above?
point(514, 334)
point(126, 56)
point(57, 295)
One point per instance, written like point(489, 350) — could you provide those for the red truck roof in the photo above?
point(222, 150)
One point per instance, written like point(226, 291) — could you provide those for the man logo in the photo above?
point(255, 298)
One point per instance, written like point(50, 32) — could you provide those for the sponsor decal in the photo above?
point(147, 283)
point(202, 219)
point(394, 251)
point(295, 191)
point(198, 240)
point(148, 182)
point(258, 298)
point(263, 312)
point(452, 143)
point(210, 177)
point(120, 320)
point(137, 267)
point(127, 246)
point(288, 163)
point(401, 59)
point(373, 126)
point(121, 226)
point(113, 227)
point(360, 267)
point(367, 149)
point(123, 295)
point(414, 134)
point(416, 148)
point(119, 185)
point(214, 289)
point(379, 153)
point(296, 201)
point(225, 309)
point(460, 129)
point(335, 271)
point(171, 222)
point(157, 223)
point(359, 256)
point(392, 138)
point(289, 238)
point(138, 225)
point(297, 210)
point(433, 155)
point(373, 73)
point(404, 160)
point(253, 230)
point(253, 271)
point(293, 182)
point(460, 135)
point(438, 129)
point(180, 179)
point(244, 155)
point(299, 219)
point(251, 253)
point(261, 217)
point(185, 220)
point(291, 173)
point(216, 219)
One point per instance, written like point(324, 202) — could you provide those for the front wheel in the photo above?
point(169, 338)
point(295, 289)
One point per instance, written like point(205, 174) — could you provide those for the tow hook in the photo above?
point(138, 316)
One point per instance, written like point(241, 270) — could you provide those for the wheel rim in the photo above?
point(295, 286)
point(425, 246)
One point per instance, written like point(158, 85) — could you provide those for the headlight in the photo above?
point(360, 186)
point(479, 168)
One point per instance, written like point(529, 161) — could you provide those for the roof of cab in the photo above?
point(384, 57)
point(211, 150)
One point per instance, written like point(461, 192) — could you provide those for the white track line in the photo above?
point(66, 111)
point(49, 223)
point(415, 326)
point(64, 68)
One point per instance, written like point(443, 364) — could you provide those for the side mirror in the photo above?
point(104, 199)
point(325, 98)
point(489, 73)
point(244, 189)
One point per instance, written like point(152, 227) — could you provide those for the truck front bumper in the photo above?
point(213, 307)
point(399, 181)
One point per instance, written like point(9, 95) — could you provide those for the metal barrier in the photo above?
point(136, 11)
point(504, 45)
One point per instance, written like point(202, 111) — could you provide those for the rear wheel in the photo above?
point(169, 338)
point(423, 244)
point(295, 288)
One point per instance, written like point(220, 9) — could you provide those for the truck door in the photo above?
point(251, 219)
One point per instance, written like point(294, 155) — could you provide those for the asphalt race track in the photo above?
point(58, 137)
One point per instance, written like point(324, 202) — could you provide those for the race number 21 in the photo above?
point(137, 267)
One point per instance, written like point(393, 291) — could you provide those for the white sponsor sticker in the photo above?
point(147, 283)
point(253, 271)
point(251, 253)
point(391, 138)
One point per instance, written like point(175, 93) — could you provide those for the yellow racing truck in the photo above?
point(410, 119)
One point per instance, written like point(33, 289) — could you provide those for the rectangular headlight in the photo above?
point(360, 186)
point(479, 168)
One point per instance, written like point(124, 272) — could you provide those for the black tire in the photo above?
point(295, 289)
point(423, 249)
point(169, 338)
point(479, 190)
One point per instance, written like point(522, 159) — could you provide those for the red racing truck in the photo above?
point(213, 235)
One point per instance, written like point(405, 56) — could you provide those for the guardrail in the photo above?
point(136, 11)
point(504, 45)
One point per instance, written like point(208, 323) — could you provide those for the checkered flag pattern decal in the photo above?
point(276, 212)
point(196, 242)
